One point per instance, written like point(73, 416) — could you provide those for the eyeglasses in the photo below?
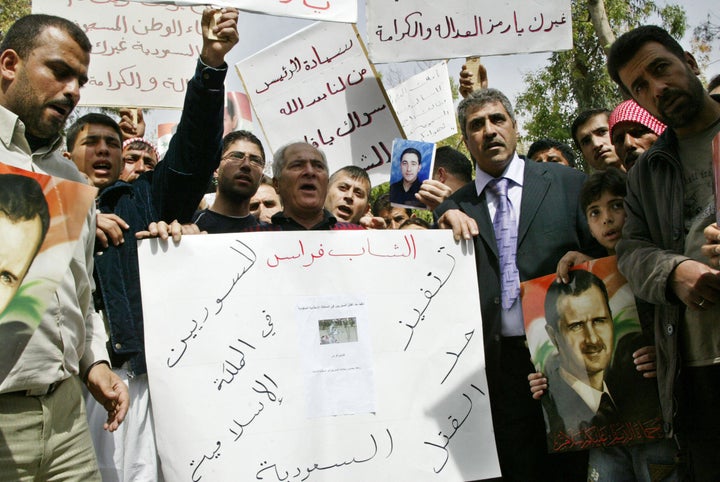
point(238, 156)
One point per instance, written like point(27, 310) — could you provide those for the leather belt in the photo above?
point(37, 392)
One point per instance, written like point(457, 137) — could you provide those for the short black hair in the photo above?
point(242, 135)
point(22, 36)
point(415, 222)
point(93, 118)
point(611, 180)
point(412, 150)
point(454, 162)
point(580, 281)
point(582, 118)
point(22, 199)
point(545, 144)
point(626, 46)
point(355, 172)
point(714, 82)
point(382, 203)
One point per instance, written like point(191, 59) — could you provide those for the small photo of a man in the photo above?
point(411, 165)
point(24, 222)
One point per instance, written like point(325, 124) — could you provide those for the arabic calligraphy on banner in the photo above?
point(415, 30)
point(295, 364)
point(317, 85)
point(142, 55)
point(328, 10)
point(424, 105)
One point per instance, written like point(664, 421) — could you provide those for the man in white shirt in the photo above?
point(43, 63)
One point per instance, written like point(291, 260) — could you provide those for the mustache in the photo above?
point(594, 347)
point(64, 102)
point(668, 97)
point(493, 143)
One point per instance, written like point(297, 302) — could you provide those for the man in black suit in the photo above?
point(545, 208)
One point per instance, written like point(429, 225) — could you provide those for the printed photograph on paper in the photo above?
point(412, 163)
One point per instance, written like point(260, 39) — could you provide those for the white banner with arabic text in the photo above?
point(318, 86)
point(323, 356)
point(403, 30)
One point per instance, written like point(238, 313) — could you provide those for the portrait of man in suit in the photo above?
point(594, 390)
point(24, 221)
point(580, 326)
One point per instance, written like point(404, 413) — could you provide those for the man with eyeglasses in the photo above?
point(239, 176)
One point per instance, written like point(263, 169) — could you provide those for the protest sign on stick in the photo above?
point(404, 30)
point(142, 54)
point(318, 86)
point(424, 105)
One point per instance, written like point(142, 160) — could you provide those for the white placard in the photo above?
point(403, 30)
point(318, 86)
point(322, 356)
point(327, 10)
point(142, 55)
point(424, 105)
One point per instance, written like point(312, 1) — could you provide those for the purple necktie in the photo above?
point(506, 238)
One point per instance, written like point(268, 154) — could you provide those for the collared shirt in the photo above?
point(512, 319)
point(589, 395)
point(515, 172)
point(71, 335)
point(16, 150)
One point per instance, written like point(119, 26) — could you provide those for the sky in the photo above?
point(259, 31)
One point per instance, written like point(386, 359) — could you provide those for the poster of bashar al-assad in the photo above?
point(582, 336)
point(41, 218)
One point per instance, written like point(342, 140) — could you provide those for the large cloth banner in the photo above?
point(424, 105)
point(317, 85)
point(142, 54)
point(582, 336)
point(325, 356)
point(327, 10)
point(403, 30)
point(41, 219)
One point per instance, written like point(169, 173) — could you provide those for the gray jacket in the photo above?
point(651, 247)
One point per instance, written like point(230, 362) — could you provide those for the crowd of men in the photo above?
point(528, 216)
